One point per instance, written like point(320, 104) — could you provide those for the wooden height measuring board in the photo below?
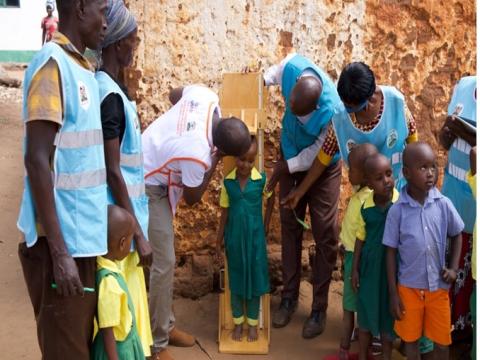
point(243, 95)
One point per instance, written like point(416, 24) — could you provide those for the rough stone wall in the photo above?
point(420, 47)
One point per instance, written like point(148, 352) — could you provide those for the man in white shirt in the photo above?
point(310, 98)
point(181, 151)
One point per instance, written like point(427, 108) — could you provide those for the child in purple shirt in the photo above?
point(416, 230)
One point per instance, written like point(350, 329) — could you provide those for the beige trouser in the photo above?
point(160, 234)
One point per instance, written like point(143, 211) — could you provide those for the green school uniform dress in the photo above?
point(131, 347)
point(245, 244)
point(373, 299)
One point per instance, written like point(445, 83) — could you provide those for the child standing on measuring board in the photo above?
point(243, 230)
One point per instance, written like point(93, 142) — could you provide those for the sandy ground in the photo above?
point(200, 317)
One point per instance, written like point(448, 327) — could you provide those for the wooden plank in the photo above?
point(244, 91)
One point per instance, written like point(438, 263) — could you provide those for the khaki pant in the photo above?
point(322, 200)
point(64, 323)
point(160, 235)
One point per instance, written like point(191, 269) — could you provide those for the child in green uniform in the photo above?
point(243, 229)
point(117, 337)
point(368, 271)
point(357, 178)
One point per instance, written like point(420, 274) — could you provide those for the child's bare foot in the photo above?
point(237, 333)
point(252, 333)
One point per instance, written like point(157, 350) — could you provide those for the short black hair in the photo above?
point(232, 137)
point(356, 83)
point(65, 6)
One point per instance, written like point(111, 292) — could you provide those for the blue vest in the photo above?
point(455, 186)
point(295, 135)
point(79, 177)
point(389, 136)
point(131, 155)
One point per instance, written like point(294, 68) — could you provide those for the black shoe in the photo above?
point(314, 325)
point(281, 317)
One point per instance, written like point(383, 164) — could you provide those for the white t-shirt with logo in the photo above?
point(178, 146)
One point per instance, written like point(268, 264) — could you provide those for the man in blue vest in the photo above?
point(63, 214)
point(310, 98)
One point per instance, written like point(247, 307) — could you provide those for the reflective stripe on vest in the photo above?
point(78, 139)
point(131, 160)
point(462, 146)
point(80, 180)
point(457, 172)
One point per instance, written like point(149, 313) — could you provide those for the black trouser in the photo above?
point(322, 200)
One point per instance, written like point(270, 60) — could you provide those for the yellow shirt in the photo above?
point(254, 175)
point(112, 307)
point(472, 181)
point(362, 231)
point(350, 219)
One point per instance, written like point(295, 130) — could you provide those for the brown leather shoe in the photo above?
point(180, 338)
point(162, 355)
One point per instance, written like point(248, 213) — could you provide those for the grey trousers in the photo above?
point(160, 235)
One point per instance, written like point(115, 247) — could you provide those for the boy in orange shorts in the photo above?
point(416, 232)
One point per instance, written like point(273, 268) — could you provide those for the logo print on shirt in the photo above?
point(350, 145)
point(392, 138)
point(83, 95)
point(193, 105)
point(458, 109)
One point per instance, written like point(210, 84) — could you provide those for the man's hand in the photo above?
point(280, 168)
point(449, 275)
point(291, 200)
point(144, 250)
point(447, 135)
point(65, 274)
point(396, 307)
point(355, 279)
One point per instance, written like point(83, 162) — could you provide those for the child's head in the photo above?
point(379, 175)
point(356, 161)
point(121, 227)
point(420, 166)
point(246, 162)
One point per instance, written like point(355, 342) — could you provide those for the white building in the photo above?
point(20, 26)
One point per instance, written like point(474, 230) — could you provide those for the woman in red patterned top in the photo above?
point(49, 23)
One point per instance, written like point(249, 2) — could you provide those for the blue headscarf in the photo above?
point(120, 22)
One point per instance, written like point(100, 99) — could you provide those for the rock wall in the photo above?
point(421, 47)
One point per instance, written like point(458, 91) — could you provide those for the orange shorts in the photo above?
point(426, 313)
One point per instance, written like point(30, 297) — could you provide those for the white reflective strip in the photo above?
point(78, 139)
point(135, 191)
point(132, 160)
point(462, 146)
point(396, 158)
point(81, 180)
point(457, 172)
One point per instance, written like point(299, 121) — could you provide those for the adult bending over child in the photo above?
point(181, 151)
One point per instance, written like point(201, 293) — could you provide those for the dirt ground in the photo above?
point(200, 317)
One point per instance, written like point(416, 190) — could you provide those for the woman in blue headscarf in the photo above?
point(123, 153)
